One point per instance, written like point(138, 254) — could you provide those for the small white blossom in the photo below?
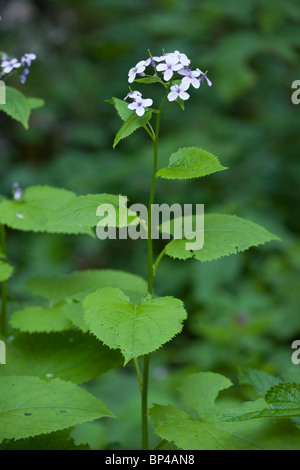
point(179, 91)
point(190, 76)
point(140, 104)
point(202, 77)
point(169, 67)
point(139, 68)
point(27, 59)
point(133, 95)
point(181, 58)
point(9, 65)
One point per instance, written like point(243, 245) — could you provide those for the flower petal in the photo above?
point(172, 96)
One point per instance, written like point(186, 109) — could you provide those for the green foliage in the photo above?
point(31, 406)
point(80, 214)
point(6, 271)
point(132, 123)
point(209, 431)
point(223, 235)
point(36, 319)
point(190, 162)
point(120, 324)
point(71, 356)
point(38, 205)
point(59, 440)
point(18, 106)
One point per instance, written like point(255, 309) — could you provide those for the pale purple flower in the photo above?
point(190, 76)
point(23, 77)
point(171, 65)
point(152, 60)
point(9, 65)
point(179, 91)
point(202, 77)
point(133, 95)
point(27, 59)
point(140, 104)
point(138, 69)
point(181, 58)
point(17, 191)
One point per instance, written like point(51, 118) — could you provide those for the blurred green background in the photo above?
point(243, 310)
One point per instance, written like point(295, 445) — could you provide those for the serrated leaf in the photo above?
point(121, 108)
point(59, 288)
point(134, 329)
point(190, 162)
point(283, 400)
point(223, 235)
point(132, 123)
point(80, 214)
point(18, 106)
point(210, 431)
point(59, 440)
point(260, 381)
point(6, 271)
point(30, 406)
point(37, 319)
point(71, 356)
point(38, 205)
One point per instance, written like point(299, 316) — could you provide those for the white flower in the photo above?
point(190, 76)
point(9, 65)
point(139, 105)
point(27, 59)
point(181, 58)
point(152, 60)
point(139, 68)
point(202, 77)
point(179, 91)
point(171, 65)
point(133, 95)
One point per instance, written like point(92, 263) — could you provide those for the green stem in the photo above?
point(138, 373)
point(159, 258)
point(3, 329)
point(150, 278)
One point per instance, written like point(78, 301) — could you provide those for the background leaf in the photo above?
point(30, 406)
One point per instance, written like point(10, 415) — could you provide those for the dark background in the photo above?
point(243, 310)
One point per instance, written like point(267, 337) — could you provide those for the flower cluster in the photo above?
point(169, 64)
point(9, 65)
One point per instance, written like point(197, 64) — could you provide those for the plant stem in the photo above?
point(3, 286)
point(150, 278)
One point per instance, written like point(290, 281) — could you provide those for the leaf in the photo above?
point(260, 381)
point(190, 162)
point(6, 271)
point(223, 235)
point(121, 108)
point(80, 214)
point(209, 430)
point(59, 288)
point(283, 401)
point(134, 329)
point(18, 106)
point(71, 356)
point(132, 123)
point(149, 80)
point(38, 205)
point(210, 384)
point(30, 406)
point(59, 440)
point(37, 319)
